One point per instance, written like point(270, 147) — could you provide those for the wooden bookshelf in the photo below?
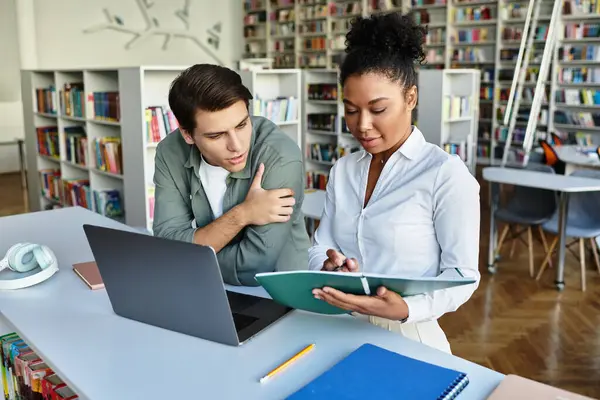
point(94, 127)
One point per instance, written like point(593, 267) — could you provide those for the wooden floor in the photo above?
point(516, 325)
point(512, 324)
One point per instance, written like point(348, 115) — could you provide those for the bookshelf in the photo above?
point(91, 138)
point(575, 102)
point(277, 96)
point(478, 34)
point(452, 112)
point(326, 137)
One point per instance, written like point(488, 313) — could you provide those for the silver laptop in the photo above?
point(176, 286)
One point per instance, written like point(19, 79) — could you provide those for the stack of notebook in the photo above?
point(371, 372)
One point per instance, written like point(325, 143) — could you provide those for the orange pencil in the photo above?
point(287, 363)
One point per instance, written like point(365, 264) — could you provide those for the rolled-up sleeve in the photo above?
point(457, 223)
point(172, 213)
point(260, 247)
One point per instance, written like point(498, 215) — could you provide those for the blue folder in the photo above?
point(371, 372)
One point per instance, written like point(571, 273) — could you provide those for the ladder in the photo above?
point(516, 89)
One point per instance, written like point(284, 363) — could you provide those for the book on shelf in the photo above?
point(583, 8)
point(581, 118)
point(46, 101)
point(457, 148)
point(322, 152)
point(160, 121)
point(579, 30)
point(108, 154)
point(322, 91)
point(76, 145)
point(25, 375)
point(322, 122)
point(587, 97)
point(579, 75)
point(108, 203)
point(103, 106)
point(51, 183)
point(72, 99)
point(316, 180)
point(456, 107)
point(47, 141)
point(76, 192)
point(280, 109)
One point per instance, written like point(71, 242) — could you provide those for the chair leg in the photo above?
point(530, 246)
point(513, 244)
point(502, 237)
point(595, 251)
point(547, 258)
point(544, 243)
point(582, 262)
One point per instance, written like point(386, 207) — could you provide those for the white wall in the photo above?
point(62, 43)
point(52, 36)
point(11, 114)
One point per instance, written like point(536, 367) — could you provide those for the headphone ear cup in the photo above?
point(44, 256)
point(21, 257)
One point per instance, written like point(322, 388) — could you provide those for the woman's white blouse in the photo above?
point(422, 220)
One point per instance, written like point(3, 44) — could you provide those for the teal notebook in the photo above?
point(371, 372)
point(294, 288)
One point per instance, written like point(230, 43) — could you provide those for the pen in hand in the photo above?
point(339, 267)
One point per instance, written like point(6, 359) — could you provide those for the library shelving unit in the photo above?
point(575, 102)
point(277, 96)
point(452, 112)
point(91, 137)
point(326, 137)
point(304, 33)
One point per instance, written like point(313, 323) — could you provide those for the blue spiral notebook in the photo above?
point(371, 372)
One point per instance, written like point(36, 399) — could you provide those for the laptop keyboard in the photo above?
point(238, 302)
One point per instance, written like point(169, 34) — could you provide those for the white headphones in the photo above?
point(24, 257)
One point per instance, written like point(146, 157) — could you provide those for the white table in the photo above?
point(562, 184)
point(574, 158)
point(103, 356)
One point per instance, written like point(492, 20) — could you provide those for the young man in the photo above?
point(229, 180)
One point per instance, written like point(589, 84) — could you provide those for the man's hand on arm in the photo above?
point(261, 207)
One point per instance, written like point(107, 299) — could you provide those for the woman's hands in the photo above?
point(336, 261)
point(385, 304)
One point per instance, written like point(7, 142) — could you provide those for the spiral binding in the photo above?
point(455, 388)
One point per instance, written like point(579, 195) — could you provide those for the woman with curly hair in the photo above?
point(400, 206)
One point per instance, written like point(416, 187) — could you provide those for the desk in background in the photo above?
point(103, 356)
point(562, 184)
point(577, 157)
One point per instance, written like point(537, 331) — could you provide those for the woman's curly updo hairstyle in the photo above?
point(387, 44)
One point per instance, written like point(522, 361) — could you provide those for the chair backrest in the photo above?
point(534, 201)
point(585, 205)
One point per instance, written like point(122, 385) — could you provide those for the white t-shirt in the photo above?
point(214, 182)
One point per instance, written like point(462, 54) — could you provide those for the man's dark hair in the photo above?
point(205, 87)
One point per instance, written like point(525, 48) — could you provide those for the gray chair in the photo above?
point(583, 223)
point(528, 208)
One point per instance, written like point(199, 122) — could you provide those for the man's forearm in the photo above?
point(221, 231)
